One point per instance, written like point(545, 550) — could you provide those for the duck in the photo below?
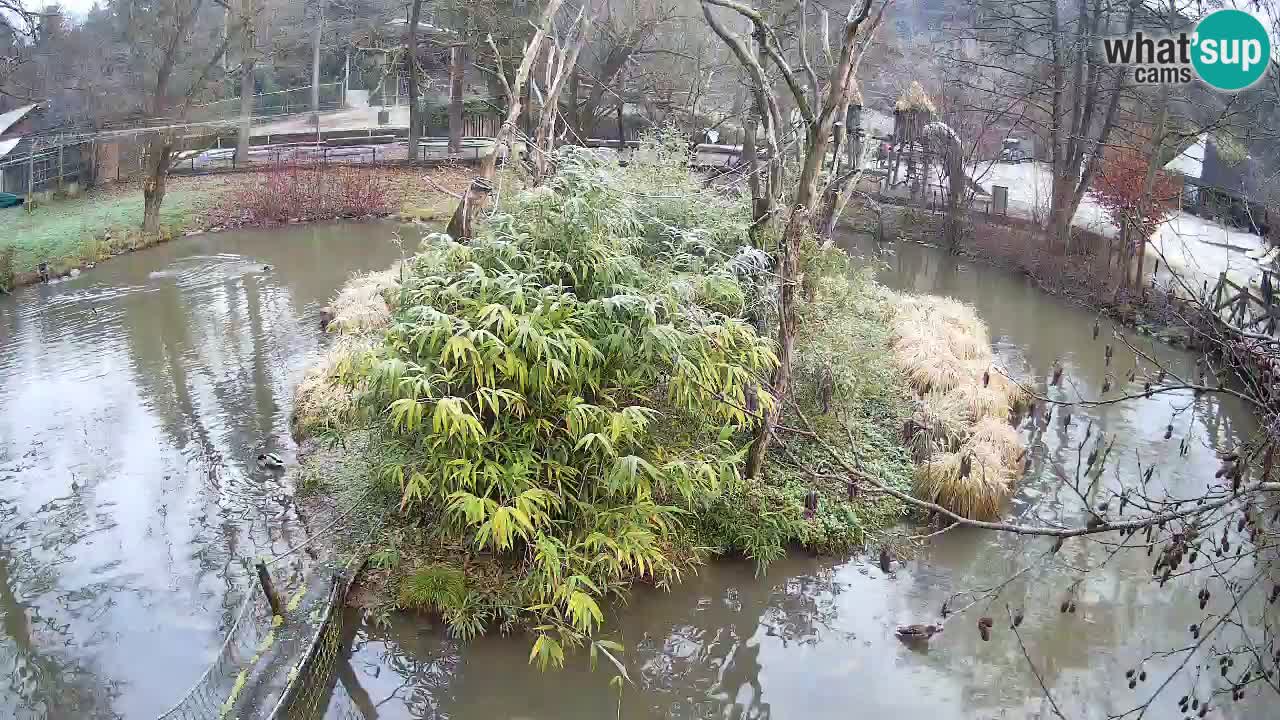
point(917, 632)
point(270, 461)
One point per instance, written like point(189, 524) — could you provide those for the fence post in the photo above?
point(268, 588)
point(61, 173)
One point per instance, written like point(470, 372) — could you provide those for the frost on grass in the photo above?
point(360, 311)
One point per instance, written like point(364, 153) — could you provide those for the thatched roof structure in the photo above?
point(914, 99)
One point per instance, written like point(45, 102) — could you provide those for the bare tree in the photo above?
point(17, 28)
point(457, 69)
point(562, 60)
point(818, 115)
point(415, 120)
point(462, 221)
point(248, 59)
point(1041, 61)
point(167, 28)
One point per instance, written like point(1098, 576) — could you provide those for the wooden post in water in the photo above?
point(269, 588)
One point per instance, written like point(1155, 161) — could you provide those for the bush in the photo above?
point(557, 407)
point(566, 401)
point(306, 191)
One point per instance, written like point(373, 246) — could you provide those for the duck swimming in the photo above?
point(270, 461)
point(917, 632)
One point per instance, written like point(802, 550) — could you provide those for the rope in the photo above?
point(324, 532)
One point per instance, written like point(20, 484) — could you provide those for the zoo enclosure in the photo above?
point(272, 104)
point(47, 165)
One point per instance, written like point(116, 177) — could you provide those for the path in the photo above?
point(1197, 248)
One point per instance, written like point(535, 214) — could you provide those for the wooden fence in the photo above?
point(1246, 311)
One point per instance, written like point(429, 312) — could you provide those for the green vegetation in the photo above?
point(562, 407)
point(75, 231)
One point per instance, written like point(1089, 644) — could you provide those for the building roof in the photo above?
point(7, 145)
point(11, 118)
point(1190, 162)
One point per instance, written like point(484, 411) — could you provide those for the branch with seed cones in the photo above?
point(1095, 526)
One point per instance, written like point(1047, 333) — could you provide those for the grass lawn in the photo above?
point(71, 232)
point(74, 232)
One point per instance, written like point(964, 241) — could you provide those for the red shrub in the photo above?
point(1118, 188)
point(303, 191)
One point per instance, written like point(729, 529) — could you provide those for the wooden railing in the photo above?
point(1246, 311)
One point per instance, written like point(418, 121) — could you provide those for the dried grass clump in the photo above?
point(1001, 439)
point(979, 494)
point(322, 400)
point(978, 403)
point(362, 306)
point(944, 349)
point(939, 342)
point(914, 98)
point(937, 426)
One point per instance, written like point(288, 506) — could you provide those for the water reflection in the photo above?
point(814, 638)
point(133, 400)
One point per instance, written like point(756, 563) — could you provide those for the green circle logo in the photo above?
point(1232, 50)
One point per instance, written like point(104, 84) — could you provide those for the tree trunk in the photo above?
point(551, 99)
point(798, 224)
point(1058, 223)
point(464, 214)
point(315, 66)
point(457, 67)
point(751, 160)
point(415, 116)
point(1154, 163)
point(789, 273)
point(159, 149)
point(572, 117)
point(622, 125)
point(247, 61)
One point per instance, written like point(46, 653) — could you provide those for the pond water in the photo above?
point(134, 401)
point(813, 638)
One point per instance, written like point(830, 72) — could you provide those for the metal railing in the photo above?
point(272, 104)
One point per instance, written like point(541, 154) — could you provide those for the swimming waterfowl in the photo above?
point(270, 461)
point(917, 632)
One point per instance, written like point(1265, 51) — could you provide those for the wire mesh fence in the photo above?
point(312, 680)
point(289, 665)
point(280, 102)
point(214, 693)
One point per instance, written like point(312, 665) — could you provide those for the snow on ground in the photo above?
point(350, 119)
point(1196, 248)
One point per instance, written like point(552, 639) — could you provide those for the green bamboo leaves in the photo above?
point(560, 404)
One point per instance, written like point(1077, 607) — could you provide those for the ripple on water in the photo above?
point(133, 401)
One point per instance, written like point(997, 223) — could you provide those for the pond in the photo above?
point(134, 401)
point(813, 637)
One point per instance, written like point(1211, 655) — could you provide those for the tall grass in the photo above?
point(970, 456)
